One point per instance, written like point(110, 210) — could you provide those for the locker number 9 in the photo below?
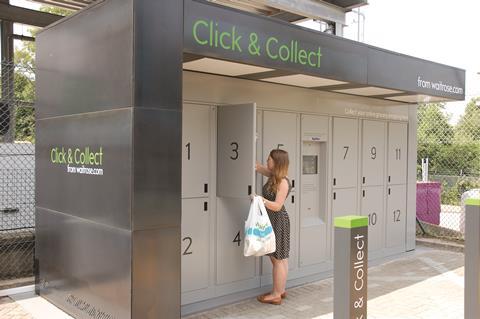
point(373, 151)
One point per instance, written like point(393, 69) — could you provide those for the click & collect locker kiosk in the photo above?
point(184, 97)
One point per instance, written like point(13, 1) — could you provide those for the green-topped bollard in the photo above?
point(350, 267)
point(472, 258)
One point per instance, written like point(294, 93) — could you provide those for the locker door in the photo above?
point(195, 243)
point(397, 153)
point(280, 131)
point(344, 202)
point(196, 151)
point(345, 148)
point(373, 153)
point(231, 264)
point(236, 126)
point(396, 216)
point(290, 205)
point(372, 207)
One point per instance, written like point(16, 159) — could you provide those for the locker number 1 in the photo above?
point(346, 151)
point(188, 151)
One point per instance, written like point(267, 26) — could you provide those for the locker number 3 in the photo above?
point(234, 146)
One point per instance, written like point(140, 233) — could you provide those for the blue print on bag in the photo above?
point(259, 232)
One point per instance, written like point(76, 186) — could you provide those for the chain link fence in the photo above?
point(17, 175)
point(448, 169)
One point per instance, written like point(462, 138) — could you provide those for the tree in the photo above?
point(433, 125)
point(24, 82)
point(468, 127)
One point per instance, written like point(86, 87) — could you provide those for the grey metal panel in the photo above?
point(395, 217)
point(84, 63)
point(102, 198)
point(84, 266)
point(372, 205)
point(345, 152)
point(156, 273)
point(373, 153)
point(397, 153)
point(158, 53)
point(394, 70)
point(341, 59)
point(157, 168)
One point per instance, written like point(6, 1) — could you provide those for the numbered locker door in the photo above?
point(372, 207)
point(345, 146)
point(280, 131)
point(373, 153)
point(195, 243)
point(397, 153)
point(196, 151)
point(236, 143)
point(396, 216)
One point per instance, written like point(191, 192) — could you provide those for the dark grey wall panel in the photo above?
point(85, 267)
point(156, 273)
point(158, 53)
point(207, 25)
point(85, 61)
point(389, 69)
point(157, 173)
point(101, 198)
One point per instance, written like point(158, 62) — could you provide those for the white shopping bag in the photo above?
point(259, 235)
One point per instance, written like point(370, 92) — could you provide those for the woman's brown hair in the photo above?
point(280, 169)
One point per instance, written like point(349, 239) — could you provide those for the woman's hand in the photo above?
point(262, 169)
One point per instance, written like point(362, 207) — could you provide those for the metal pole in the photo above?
point(472, 258)
point(350, 267)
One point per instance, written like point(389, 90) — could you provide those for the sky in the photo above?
point(437, 30)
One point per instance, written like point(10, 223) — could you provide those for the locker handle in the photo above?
point(205, 206)
point(363, 193)
point(334, 196)
point(389, 178)
point(249, 189)
point(205, 188)
point(293, 199)
point(334, 181)
point(389, 191)
point(364, 179)
point(293, 183)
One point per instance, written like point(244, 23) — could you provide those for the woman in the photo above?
point(275, 192)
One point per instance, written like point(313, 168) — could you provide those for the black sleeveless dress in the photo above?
point(280, 224)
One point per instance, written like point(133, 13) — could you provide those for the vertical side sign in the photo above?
point(350, 267)
point(236, 134)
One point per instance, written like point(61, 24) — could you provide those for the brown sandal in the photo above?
point(276, 301)
point(283, 295)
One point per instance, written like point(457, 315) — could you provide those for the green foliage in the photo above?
point(468, 127)
point(24, 82)
point(433, 124)
point(451, 195)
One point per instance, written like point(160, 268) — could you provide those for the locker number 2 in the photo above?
point(186, 252)
point(396, 216)
point(234, 146)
